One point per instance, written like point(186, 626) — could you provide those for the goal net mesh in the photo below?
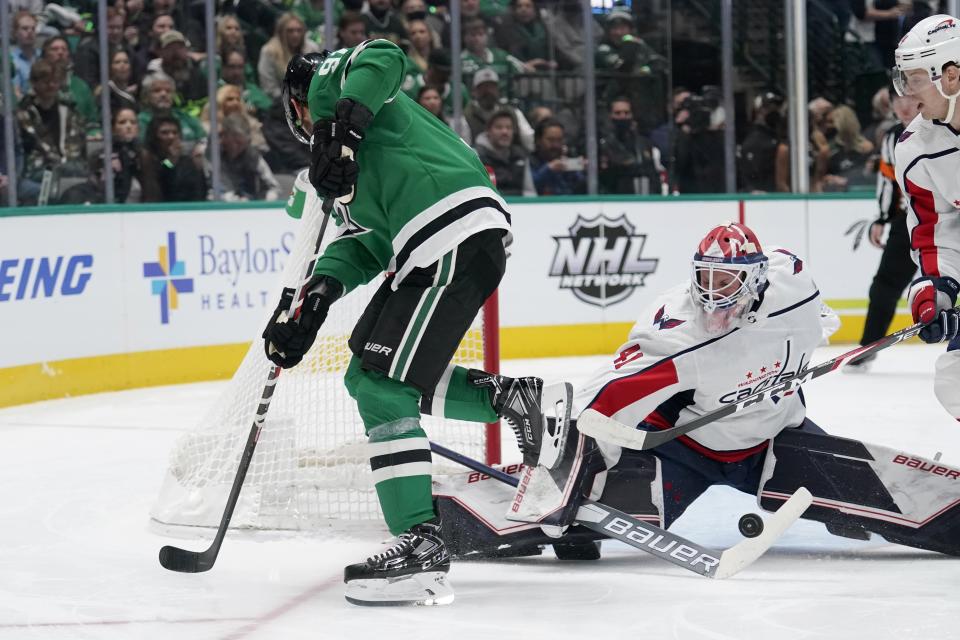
point(310, 468)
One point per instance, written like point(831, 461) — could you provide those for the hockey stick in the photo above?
point(604, 428)
point(658, 542)
point(184, 560)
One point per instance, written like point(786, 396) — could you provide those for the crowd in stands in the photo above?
point(522, 93)
point(521, 65)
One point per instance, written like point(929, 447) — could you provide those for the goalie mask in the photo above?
point(296, 86)
point(729, 272)
point(922, 54)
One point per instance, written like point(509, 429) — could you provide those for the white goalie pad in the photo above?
point(859, 481)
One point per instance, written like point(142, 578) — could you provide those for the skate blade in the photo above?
point(418, 590)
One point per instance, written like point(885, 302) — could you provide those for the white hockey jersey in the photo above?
point(928, 170)
point(670, 371)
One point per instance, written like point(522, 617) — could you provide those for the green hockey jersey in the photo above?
point(421, 190)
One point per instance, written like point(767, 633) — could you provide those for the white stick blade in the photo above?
point(600, 427)
point(736, 558)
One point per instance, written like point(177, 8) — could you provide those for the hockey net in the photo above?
point(310, 468)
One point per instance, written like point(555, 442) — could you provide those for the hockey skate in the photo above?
point(517, 400)
point(413, 572)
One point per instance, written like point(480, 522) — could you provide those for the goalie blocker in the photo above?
point(858, 489)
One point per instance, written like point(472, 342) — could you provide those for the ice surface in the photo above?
point(77, 559)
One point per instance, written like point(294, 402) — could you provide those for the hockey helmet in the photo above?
point(729, 272)
point(928, 47)
point(296, 86)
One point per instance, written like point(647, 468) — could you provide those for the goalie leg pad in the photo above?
point(550, 497)
point(860, 487)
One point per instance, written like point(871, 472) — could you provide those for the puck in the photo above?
point(750, 525)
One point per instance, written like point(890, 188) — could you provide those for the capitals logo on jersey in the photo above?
point(601, 260)
point(797, 262)
point(663, 321)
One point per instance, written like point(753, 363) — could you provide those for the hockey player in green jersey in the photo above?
point(412, 201)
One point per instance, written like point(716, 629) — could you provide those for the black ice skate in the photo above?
point(411, 572)
point(517, 400)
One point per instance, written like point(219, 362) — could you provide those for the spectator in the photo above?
point(486, 100)
point(477, 55)
point(430, 99)
point(24, 51)
point(881, 116)
point(383, 21)
point(123, 88)
point(73, 90)
point(555, 174)
point(87, 55)
point(818, 156)
point(175, 62)
point(230, 36)
point(878, 25)
point(351, 30)
point(419, 48)
point(522, 34)
point(288, 40)
point(245, 174)
point(229, 102)
point(819, 108)
point(147, 48)
point(540, 113)
point(850, 151)
point(137, 21)
point(286, 154)
point(169, 173)
point(436, 75)
point(92, 190)
point(566, 30)
point(629, 162)
point(508, 162)
point(51, 132)
point(127, 154)
point(157, 93)
point(698, 161)
point(896, 268)
point(756, 156)
point(417, 10)
point(233, 71)
point(621, 50)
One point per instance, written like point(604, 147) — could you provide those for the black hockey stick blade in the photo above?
point(606, 429)
point(186, 561)
point(661, 543)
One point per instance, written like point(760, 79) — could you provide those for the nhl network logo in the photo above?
point(600, 261)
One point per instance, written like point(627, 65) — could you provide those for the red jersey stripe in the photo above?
point(623, 392)
point(923, 240)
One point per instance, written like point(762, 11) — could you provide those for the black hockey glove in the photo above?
point(333, 172)
point(931, 301)
point(285, 343)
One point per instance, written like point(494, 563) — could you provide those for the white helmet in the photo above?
point(930, 45)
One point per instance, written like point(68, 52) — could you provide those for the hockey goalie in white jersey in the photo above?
point(747, 320)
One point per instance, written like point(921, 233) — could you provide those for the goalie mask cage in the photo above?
point(310, 468)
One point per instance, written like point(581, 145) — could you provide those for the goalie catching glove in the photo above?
point(333, 146)
point(285, 341)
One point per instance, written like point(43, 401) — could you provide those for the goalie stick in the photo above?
point(658, 542)
point(606, 429)
point(184, 560)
